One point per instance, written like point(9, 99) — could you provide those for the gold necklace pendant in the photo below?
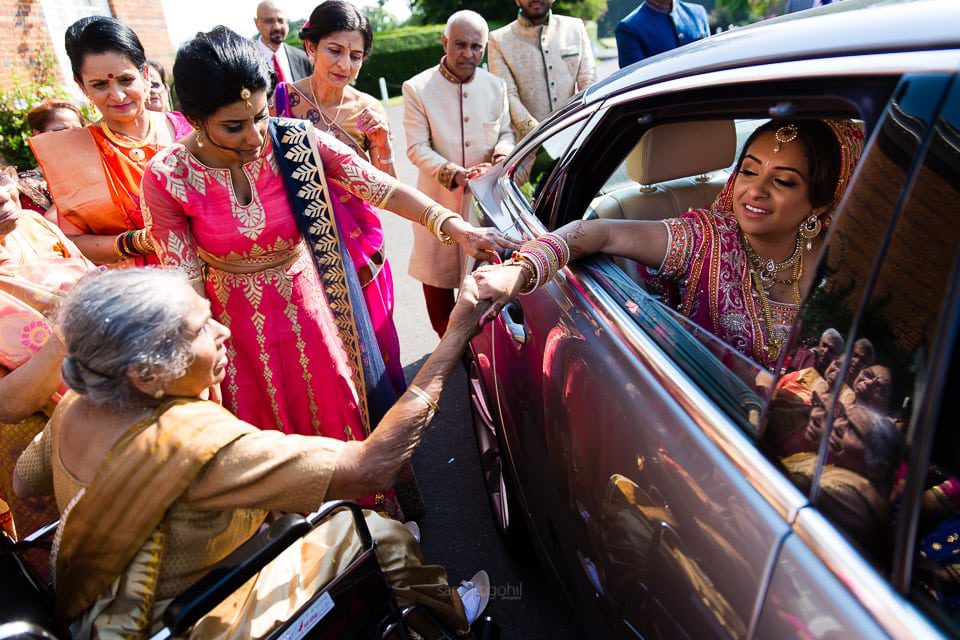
point(135, 149)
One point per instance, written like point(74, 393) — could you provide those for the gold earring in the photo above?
point(810, 229)
point(158, 394)
point(199, 138)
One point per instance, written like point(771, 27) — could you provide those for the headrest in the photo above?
point(682, 149)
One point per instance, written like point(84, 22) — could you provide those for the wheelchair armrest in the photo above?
point(232, 572)
point(248, 559)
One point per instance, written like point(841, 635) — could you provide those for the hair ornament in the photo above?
point(785, 134)
point(245, 96)
point(306, 25)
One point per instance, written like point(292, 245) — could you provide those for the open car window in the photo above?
point(737, 384)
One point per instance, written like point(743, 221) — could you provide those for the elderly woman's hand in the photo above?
point(469, 310)
point(483, 243)
point(500, 284)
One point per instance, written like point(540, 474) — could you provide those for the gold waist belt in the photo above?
point(253, 264)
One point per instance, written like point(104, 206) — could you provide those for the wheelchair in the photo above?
point(356, 605)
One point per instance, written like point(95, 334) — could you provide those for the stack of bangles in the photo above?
point(541, 259)
point(433, 218)
point(133, 243)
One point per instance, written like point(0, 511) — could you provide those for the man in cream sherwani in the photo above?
point(457, 123)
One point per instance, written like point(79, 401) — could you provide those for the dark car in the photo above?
point(673, 487)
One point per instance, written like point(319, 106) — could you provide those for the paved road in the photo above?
point(457, 531)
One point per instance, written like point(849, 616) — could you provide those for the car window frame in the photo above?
point(928, 413)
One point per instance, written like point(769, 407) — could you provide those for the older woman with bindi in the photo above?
point(763, 233)
point(245, 206)
point(156, 485)
point(338, 38)
point(94, 173)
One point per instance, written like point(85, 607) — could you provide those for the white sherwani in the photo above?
point(448, 122)
point(543, 66)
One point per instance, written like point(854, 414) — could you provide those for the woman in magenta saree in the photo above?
point(739, 268)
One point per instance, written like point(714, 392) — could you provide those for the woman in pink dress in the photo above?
point(243, 206)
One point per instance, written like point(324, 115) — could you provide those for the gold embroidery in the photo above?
point(303, 151)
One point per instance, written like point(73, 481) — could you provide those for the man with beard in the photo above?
point(544, 59)
point(290, 64)
point(457, 123)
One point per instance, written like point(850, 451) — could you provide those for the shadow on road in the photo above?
point(458, 531)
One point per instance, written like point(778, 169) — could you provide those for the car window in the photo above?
point(734, 382)
point(839, 415)
point(935, 579)
point(529, 176)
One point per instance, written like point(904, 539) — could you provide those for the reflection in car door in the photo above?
point(634, 503)
point(890, 256)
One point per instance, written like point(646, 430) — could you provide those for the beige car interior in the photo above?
point(674, 167)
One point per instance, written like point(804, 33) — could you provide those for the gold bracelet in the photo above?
point(423, 395)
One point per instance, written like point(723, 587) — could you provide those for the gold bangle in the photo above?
point(423, 395)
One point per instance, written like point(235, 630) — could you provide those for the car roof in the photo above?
point(851, 27)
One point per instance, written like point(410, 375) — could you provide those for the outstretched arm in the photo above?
point(644, 241)
point(373, 464)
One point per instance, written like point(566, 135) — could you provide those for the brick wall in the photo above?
point(147, 20)
point(25, 35)
point(24, 30)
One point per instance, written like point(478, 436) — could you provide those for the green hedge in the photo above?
point(399, 55)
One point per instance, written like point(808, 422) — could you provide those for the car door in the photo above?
point(888, 289)
point(623, 483)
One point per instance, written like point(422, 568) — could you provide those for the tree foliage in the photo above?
point(30, 85)
point(499, 11)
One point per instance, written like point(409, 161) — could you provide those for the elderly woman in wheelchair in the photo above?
point(156, 485)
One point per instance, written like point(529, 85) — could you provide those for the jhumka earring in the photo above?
point(810, 229)
point(785, 134)
point(245, 96)
point(199, 138)
point(158, 394)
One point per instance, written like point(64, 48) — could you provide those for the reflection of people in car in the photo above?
point(155, 486)
point(790, 409)
point(739, 268)
point(861, 356)
point(872, 388)
point(856, 481)
point(820, 356)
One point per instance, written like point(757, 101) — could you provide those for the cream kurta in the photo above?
point(543, 66)
point(449, 122)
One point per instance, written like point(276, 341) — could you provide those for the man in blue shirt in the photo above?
point(657, 26)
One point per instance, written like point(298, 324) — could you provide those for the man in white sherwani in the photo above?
point(457, 122)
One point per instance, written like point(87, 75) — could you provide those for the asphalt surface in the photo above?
point(457, 530)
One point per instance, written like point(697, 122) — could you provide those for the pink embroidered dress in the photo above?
point(289, 370)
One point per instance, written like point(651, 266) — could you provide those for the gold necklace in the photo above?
point(323, 117)
point(136, 153)
point(768, 269)
point(775, 337)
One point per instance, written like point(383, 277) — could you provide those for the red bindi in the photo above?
point(110, 76)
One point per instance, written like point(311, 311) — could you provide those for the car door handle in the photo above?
point(512, 316)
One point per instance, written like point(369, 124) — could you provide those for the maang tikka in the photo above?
point(785, 134)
